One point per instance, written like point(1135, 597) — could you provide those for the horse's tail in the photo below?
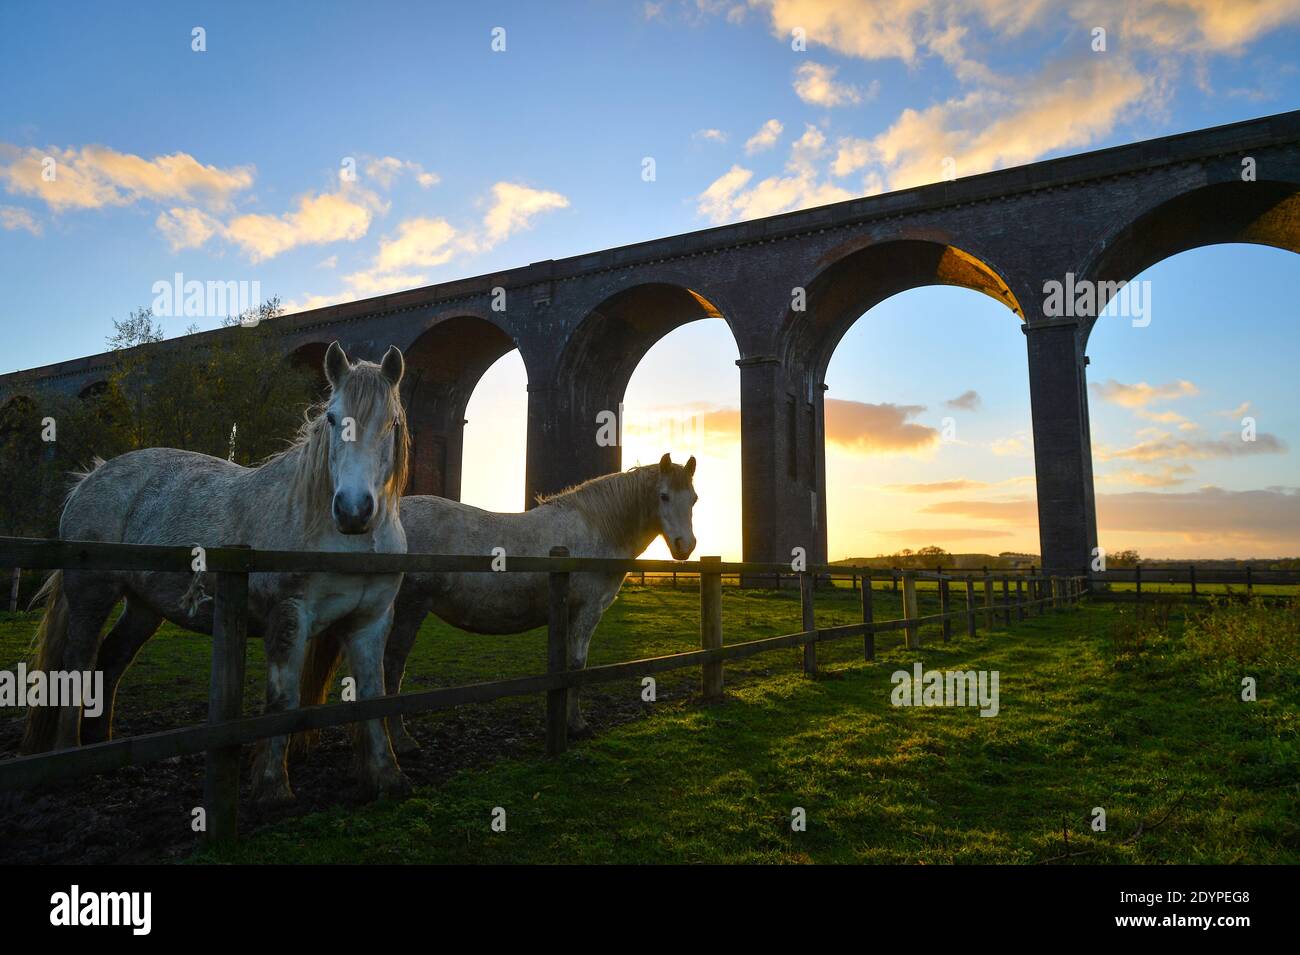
point(324, 653)
point(51, 635)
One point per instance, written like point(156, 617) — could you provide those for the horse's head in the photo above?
point(365, 427)
point(677, 499)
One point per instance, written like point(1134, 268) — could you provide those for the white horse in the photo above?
point(336, 488)
point(616, 515)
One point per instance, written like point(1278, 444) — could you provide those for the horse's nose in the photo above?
point(353, 517)
point(680, 550)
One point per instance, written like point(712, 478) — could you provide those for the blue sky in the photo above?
point(225, 164)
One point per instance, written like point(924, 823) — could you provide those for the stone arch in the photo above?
point(1258, 213)
point(444, 363)
point(593, 370)
point(861, 277)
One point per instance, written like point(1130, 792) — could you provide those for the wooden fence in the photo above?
point(226, 730)
point(1244, 578)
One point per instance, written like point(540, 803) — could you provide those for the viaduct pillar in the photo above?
point(1058, 397)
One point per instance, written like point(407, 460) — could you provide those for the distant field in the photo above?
point(1100, 706)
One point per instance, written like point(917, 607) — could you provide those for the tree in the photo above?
point(232, 396)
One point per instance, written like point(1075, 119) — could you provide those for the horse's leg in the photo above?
point(285, 638)
point(364, 643)
point(131, 631)
point(90, 598)
point(581, 626)
point(408, 613)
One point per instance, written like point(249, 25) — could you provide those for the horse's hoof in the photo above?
point(581, 730)
point(391, 787)
point(273, 796)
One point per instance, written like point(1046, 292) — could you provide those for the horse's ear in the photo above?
point(393, 365)
point(665, 463)
point(690, 467)
point(337, 365)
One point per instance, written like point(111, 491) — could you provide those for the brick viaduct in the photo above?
point(582, 324)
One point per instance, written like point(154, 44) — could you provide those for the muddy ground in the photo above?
point(142, 814)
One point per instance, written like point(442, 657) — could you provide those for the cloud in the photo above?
point(1169, 476)
point(1015, 446)
point(866, 428)
point(1238, 412)
point(386, 169)
point(13, 218)
point(815, 83)
point(1142, 394)
point(1225, 446)
point(513, 208)
point(1068, 106)
point(1168, 417)
point(419, 243)
point(945, 533)
point(1019, 511)
point(186, 228)
point(938, 487)
point(1268, 515)
point(765, 138)
point(1190, 25)
point(1209, 515)
point(710, 135)
point(727, 198)
point(425, 242)
point(91, 177)
point(966, 401)
point(320, 218)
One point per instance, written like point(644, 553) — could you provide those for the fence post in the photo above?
point(943, 608)
point(869, 636)
point(557, 659)
point(970, 607)
point(806, 592)
point(1250, 586)
point(910, 611)
point(894, 573)
point(1020, 599)
point(853, 581)
point(1191, 575)
point(13, 590)
point(1137, 579)
point(1006, 600)
point(226, 702)
point(711, 626)
point(988, 600)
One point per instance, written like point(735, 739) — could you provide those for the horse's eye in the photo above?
point(663, 497)
point(330, 418)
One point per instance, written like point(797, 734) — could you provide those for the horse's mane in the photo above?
point(367, 392)
point(608, 501)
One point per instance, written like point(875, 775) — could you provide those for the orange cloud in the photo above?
point(1142, 394)
point(877, 428)
point(937, 487)
point(91, 177)
point(1225, 446)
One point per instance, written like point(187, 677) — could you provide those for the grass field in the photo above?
point(1137, 711)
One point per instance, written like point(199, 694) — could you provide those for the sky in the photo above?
point(332, 152)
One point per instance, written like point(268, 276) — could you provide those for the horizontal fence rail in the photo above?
point(962, 597)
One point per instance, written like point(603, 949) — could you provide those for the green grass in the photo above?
point(1106, 706)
